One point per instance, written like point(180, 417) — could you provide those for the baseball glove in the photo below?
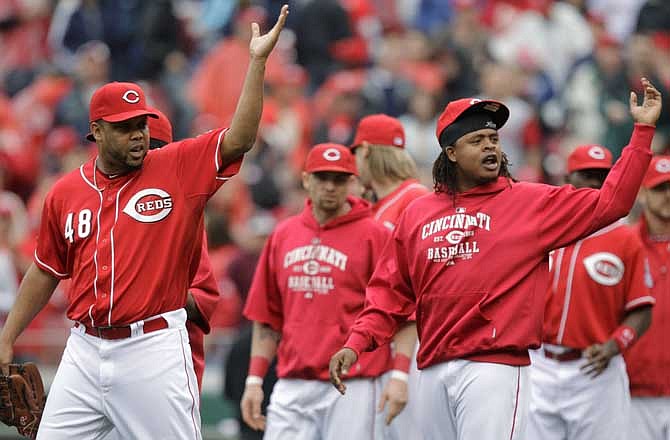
point(22, 397)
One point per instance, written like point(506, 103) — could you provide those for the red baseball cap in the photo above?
point(658, 172)
point(116, 102)
point(456, 109)
point(379, 129)
point(331, 157)
point(586, 157)
point(160, 128)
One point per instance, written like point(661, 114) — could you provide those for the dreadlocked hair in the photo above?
point(444, 173)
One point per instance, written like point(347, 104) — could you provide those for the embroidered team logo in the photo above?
point(596, 153)
point(149, 205)
point(131, 97)
point(663, 166)
point(332, 155)
point(604, 268)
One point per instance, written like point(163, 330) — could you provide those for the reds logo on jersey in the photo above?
point(149, 205)
point(604, 268)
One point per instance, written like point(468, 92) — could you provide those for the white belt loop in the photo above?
point(137, 328)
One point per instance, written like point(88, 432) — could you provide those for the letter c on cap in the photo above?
point(596, 153)
point(332, 155)
point(663, 166)
point(131, 97)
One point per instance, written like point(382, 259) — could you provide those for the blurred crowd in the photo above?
point(564, 68)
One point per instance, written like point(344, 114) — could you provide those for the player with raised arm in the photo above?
point(125, 227)
point(473, 260)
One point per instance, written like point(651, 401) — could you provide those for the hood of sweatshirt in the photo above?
point(359, 209)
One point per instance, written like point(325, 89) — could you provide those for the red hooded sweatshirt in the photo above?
point(648, 360)
point(475, 265)
point(310, 285)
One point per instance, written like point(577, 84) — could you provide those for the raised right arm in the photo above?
point(569, 214)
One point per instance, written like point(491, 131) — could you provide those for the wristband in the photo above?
point(624, 336)
point(400, 375)
point(253, 380)
point(401, 362)
point(258, 366)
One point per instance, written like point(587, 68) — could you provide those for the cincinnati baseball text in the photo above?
point(319, 252)
point(456, 221)
point(304, 283)
point(445, 253)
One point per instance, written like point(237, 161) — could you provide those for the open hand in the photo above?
point(260, 46)
point(395, 393)
point(650, 110)
point(339, 366)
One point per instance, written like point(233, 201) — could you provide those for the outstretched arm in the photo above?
point(34, 293)
point(569, 214)
point(242, 134)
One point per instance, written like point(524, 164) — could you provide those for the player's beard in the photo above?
point(126, 162)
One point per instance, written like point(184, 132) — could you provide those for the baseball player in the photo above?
point(597, 306)
point(203, 294)
point(649, 359)
point(386, 168)
point(125, 227)
point(308, 288)
point(472, 258)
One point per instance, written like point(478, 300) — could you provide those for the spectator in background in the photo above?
point(654, 15)
point(647, 54)
point(112, 22)
point(419, 123)
point(596, 98)
point(208, 92)
point(319, 25)
point(387, 89)
point(91, 70)
point(23, 30)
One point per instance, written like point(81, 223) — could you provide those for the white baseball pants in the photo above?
point(650, 418)
point(466, 400)
point(566, 403)
point(314, 410)
point(144, 386)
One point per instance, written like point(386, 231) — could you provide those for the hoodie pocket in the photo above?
point(454, 322)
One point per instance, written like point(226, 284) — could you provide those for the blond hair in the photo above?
point(390, 163)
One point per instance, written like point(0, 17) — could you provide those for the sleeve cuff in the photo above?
point(357, 342)
point(643, 134)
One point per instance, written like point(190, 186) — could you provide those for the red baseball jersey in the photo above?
point(388, 209)
point(206, 295)
point(127, 242)
point(476, 263)
point(310, 285)
point(648, 360)
point(594, 283)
